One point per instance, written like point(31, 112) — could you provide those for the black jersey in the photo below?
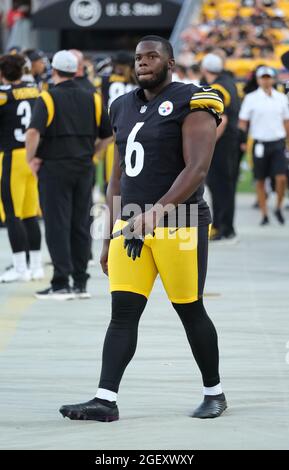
point(112, 86)
point(85, 83)
point(16, 103)
point(69, 120)
point(149, 140)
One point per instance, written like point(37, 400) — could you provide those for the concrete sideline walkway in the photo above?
point(50, 355)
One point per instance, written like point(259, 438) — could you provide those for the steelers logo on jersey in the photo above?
point(166, 108)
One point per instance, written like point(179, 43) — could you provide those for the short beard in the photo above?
point(155, 82)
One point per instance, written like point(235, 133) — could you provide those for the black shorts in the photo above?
point(273, 162)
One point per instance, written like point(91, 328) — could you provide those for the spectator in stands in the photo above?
point(37, 65)
point(16, 12)
point(1, 26)
point(180, 74)
point(242, 36)
point(248, 3)
point(194, 74)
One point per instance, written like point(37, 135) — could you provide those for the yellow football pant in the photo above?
point(18, 186)
point(179, 256)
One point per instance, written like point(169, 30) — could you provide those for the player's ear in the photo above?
point(171, 64)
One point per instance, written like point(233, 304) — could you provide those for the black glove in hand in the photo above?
point(133, 246)
point(132, 243)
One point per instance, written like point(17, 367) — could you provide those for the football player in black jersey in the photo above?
point(19, 205)
point(165, 134)
point(122, 80)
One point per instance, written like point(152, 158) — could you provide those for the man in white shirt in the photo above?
point(267, 112)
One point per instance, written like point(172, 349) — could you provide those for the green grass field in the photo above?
point(246, 183)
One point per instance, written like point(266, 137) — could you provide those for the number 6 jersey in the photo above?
point(16, 103)
point(149, 140)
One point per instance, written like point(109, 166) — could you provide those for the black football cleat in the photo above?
point(95, 410)
point(211, 407)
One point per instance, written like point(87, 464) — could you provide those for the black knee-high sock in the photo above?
point(33, 233)
point(121, 337)
point(17, 234)
point(203, 339)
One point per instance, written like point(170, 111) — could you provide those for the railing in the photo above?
point(189, 10)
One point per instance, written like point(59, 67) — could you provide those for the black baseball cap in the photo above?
point(34, 55)
point(123, 58)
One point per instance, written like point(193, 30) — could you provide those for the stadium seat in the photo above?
point(245, 12)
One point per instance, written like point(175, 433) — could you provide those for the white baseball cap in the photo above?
point(64, 61)
point(212, 63)
point(263, 71)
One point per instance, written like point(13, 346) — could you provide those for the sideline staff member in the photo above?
point(267, 112)
point(69, 120)
point(222, 176)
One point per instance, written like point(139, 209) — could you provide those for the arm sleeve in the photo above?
point(209, 100)
point(39, 116)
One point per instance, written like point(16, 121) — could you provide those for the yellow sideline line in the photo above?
point(10, 314)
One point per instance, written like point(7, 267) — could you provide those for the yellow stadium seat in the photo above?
point(285, 9)
point(274, 63)
point(245, 12)
point(281, 4)
point(240, 67)
point(232, 5)
point(209, 12)
point(270, 11)
point(278, 34)
point(227, 14)
point(281, 49)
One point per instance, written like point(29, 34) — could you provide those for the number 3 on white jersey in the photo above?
point(24, 110)
point(131, 147)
